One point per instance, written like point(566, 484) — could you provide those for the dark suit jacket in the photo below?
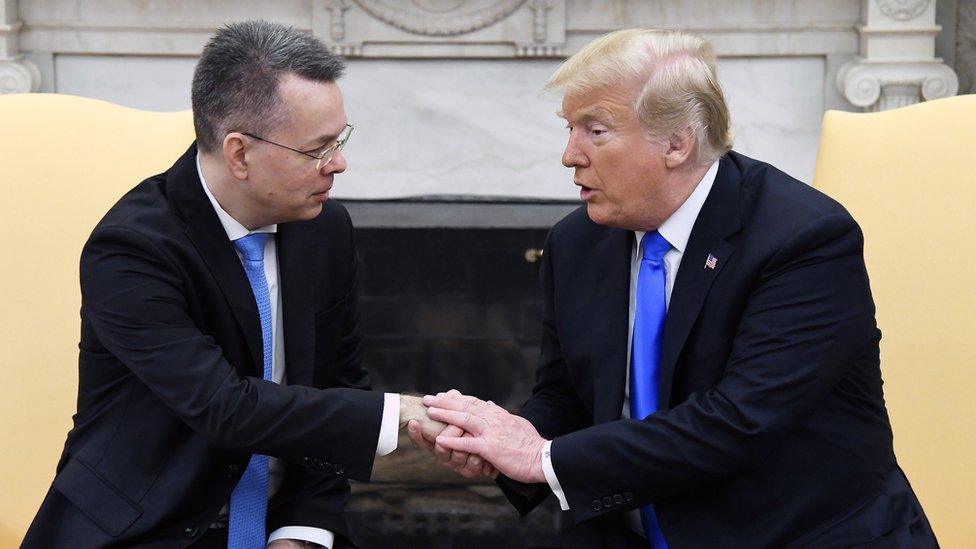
point(773, 430)
point(171, 403)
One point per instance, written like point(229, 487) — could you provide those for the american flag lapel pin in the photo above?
point(711, 261)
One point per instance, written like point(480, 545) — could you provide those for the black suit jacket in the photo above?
point(773, 430)
point(171, 403)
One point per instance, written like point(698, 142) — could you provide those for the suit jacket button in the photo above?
point(597, 505)
point(339, 470)
point(607, 502)
point(618, 499)
point(308, 462)
point(629, 496)
point(191, 532)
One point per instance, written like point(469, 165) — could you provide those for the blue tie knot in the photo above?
point(251, 246)
point(654, 246)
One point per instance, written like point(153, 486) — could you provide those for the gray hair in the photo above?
point(235, 84)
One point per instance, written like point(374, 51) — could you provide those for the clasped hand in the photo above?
point(478, 438)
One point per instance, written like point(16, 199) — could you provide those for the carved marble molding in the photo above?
point(443, 28)
point(19, 76)
point(902, 10)
point(440, 17)
point(878, 86)
point(897, 64)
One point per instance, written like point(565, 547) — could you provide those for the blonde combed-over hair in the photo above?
point(680, 90)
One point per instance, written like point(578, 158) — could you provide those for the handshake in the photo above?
point(474, 437)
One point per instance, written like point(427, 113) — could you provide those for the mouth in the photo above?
point(585, 192)
point(322, 195)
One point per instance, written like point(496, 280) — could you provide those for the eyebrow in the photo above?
point(323, 139)
point(590, 114)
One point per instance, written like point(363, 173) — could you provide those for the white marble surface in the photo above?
point(776, 106)
point(482, 127)
point(142, 82)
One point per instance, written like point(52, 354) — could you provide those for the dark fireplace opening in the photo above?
point(450, 299)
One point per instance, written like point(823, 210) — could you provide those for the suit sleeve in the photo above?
point(555, 407)
point(321, 498)
point(804, 323)
point(135, 299)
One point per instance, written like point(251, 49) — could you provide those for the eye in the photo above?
point(597, 130)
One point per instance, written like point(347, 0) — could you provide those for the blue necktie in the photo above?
point(649, 314)
point(249, 501)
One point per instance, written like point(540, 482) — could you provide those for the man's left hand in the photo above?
point(508, 442)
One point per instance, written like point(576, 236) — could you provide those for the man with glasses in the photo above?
point(221, 393)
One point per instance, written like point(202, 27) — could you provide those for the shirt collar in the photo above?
point(232, 227)
point(677, 228)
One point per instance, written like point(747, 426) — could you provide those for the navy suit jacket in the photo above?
point(772, 430)
point(171, 403)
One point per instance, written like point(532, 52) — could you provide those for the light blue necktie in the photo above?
point(249, 501)
point(649, 314)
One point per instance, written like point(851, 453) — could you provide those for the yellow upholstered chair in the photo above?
point(64, 161)
point(908, 177)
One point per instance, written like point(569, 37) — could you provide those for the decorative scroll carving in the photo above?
point(879, 86)
point(19, 76)
point(440, 17)
point(902, 10)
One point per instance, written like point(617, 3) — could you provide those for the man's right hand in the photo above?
point(467, 465)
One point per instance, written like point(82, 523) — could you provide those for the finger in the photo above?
point(465, 420)
point(470, 445)
point(443, 454)
point(417, 437)
point(431, 428)
point(459, 459)
point(490, 471)
point(448, 401)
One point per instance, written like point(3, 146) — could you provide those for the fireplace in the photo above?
point(450, 299)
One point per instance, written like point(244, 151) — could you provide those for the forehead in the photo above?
point(312, 103)
point(606, 102)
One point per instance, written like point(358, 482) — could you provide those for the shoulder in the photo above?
point(779, 206)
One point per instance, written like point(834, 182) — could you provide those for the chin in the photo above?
point(598, 215)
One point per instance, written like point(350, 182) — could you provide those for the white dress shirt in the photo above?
point(391, 402)
point(676, 230)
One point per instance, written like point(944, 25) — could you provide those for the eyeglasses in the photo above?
point(323, 155)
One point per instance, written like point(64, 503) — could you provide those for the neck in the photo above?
point(227, 190)
point(681, 182)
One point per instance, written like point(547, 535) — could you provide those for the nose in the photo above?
point(336, 165)
point(573, 156)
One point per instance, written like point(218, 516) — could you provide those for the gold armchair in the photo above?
point(63, 161)
point(909, 178)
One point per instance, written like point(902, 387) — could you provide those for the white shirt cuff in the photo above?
point(322, 537)
point(390, 428)
point(550, 474)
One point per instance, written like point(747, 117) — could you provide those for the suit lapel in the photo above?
point(612, 310)
point(296, 280)
point(204, 230)
point(718, 219)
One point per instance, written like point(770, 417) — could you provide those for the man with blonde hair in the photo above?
point(709, 353)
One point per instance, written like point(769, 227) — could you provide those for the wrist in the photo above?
point(537, 475)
